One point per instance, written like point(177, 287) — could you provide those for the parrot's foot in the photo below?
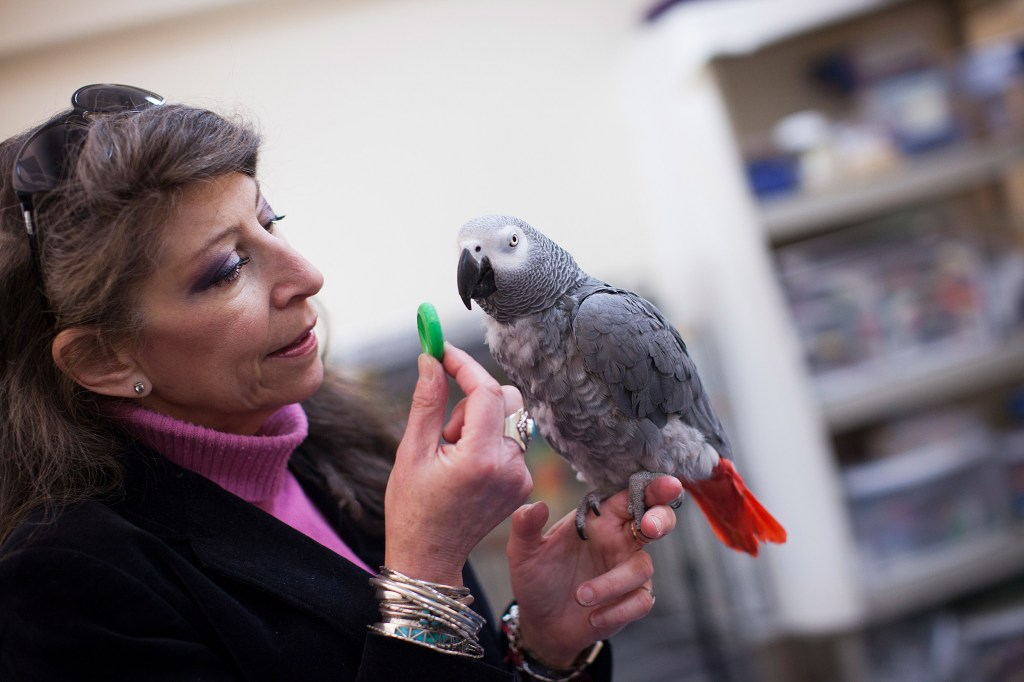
point(638, 483)
point(636, 505)
point(590, 502)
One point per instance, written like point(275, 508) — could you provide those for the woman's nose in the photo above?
point(296, 278)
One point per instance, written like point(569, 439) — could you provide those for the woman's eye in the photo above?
point(513, 240)
point(232, 272)
point(269, 222)
point(266, 216)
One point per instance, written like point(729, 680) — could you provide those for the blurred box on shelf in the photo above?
point(1006, 289)
point(950, 645)
point(878, 105)
point(1012, 454)
point(916, 106)
point(890, 287)
point(771, 176)
point(940, 494)
point(992, 645)
point(991, 83)
point(920, 648)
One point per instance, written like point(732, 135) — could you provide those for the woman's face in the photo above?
point(227, 319)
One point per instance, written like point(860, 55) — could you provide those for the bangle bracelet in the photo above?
point(428, 614)
point(529, 666)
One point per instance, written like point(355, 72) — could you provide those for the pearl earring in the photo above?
point(139, 387)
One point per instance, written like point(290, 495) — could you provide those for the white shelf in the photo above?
point(855, 396)
point(920, 179)
point(931, 578)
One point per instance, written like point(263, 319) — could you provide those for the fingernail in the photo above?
point(585, 595)
point(657, 526)
point(596, 620)
point(427, 367)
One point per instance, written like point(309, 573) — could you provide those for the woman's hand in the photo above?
point(443, 498)
point(571, 592)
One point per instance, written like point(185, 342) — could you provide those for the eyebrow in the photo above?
point(219, 235)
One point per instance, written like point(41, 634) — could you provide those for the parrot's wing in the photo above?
point(642, 359)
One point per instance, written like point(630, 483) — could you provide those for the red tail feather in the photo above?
point(737, 518)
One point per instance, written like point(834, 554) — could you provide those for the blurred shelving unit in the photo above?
point(919, 180)
point(920, 582)
point(784, 258)
point(861, 396)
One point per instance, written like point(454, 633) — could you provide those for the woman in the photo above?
point(184, 492)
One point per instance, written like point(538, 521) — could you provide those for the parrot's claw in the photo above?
point(638, 483)
point(590, 502)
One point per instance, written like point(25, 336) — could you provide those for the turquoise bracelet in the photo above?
point(428, 614)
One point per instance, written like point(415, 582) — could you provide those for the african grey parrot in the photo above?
point(606, 377)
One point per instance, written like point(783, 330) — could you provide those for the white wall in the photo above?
point(388, 123)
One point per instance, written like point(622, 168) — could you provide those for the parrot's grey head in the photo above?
point(510, 268)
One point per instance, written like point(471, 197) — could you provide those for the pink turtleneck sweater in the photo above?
point(254, 468)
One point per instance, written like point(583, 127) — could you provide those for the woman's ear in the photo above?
point(91, 363)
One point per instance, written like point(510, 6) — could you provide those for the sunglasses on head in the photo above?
point(42, 161)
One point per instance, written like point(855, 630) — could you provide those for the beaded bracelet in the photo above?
point(429, 614)
point(530, 666)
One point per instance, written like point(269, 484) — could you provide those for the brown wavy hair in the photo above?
point(97, 233)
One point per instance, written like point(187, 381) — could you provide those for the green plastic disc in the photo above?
point(429, 327)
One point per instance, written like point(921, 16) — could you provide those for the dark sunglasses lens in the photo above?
point(109, 97)
point(40, 161)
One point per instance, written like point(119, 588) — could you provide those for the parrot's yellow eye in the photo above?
point(513, 240)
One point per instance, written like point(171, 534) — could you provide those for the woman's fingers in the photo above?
point(467, 372)
point(484, 407)
point(632, 606)
point(527, 527)
point(453, 429)
point(512, 397)
point(513, 400)
point(663, 490)
point(621, 579)
point(481, 415)
point(620, 596)
point(426, 415)
point(659, 519)
point(658, 522)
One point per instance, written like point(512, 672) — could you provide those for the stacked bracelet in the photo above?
point(428, 614)
point(530, 666)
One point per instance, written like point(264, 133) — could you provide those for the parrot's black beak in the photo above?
point(476, 279)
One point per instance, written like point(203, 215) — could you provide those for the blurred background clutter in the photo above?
point(825, 196)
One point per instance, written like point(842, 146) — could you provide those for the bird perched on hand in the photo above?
point(606, 377)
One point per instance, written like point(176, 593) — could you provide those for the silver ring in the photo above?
point(519, 427)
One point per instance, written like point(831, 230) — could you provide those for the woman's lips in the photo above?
point(306, 343)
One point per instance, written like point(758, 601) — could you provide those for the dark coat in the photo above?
point(178, 579)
